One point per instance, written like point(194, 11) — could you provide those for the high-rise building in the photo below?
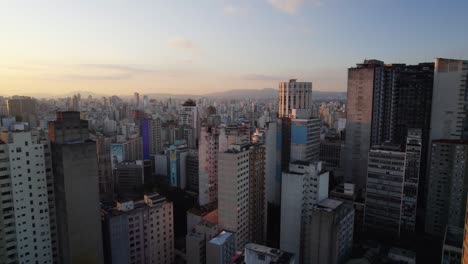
point(448, 186)
point(177, 169)
point(208, 165)
point(24, 222)
point(137, 99)
point(241, 192)
point(191, 170)
point(127, 150)
point(75, 168)
point(106, 181)
point(448, 120)
point(305, 139)
point(414, 146)
point(330, 233)
point(156, 143)
point(384, 190)
point(221, 248)
point(452, 247)
point(303, 185)
point(385, 100)
point(129, 179)
point(273, 164)
point(361, 82)
point(197, 239)
point(189, 118)
point(330, 150)
point(23, 108)
point(293, 95)
point(141, 231)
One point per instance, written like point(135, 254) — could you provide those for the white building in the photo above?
point(23, 183)
point(241, 196)
point(447, 121)
point(303, 185)
point(221, 248)
point(294, 95)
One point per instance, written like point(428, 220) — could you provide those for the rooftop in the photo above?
point(329, 204)
point(221, 238)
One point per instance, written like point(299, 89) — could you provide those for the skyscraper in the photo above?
point(329, 233)
point(303, 185)
point(25, 224)
point(23, 108)
point(448, 119)
point(241, 197)
point(293, 95)
point(141, 231)
point(189, 118)
point(76, 190)
point(208, 165)
point(448, 185)
point(361, 82)
point(384, 190)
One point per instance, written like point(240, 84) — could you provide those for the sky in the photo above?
point(203, 46)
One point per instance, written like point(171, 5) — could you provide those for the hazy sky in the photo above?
point(201, 46)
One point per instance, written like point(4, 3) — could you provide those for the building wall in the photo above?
point(448, 175)
point(77, 201)
point(293, 95)
point(384, 192)
point(358, 123)
point(207, 170)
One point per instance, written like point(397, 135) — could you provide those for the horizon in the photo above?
point(215, 46)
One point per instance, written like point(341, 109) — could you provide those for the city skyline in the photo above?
point(118, 48)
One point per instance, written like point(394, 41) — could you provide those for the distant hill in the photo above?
point(265, 93)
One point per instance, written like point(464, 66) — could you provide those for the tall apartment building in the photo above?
point(448, 175)
point(208, 165)
point(75, 168)
point(361, 82)
point(400, 100)
point(305, 139)
point(23, 109)
point(384, 190)
point(293, 95)
point(189, 117)
point(448, 119)
point(330, 150)
point(141, 231)
point(129, 179)
point(177, 161)
point(191, 170)
point(25, 227)
point(156, 142)
point(303, 185)
point(241, 192)
point(106, 182)
point(273, 164)
point(330, 233)
point(221, 248)
point(414, 147)
point(452, 246)
point(128, 150)
point(196, 240)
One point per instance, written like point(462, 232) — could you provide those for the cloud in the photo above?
point(181, 43)
point(292, 6)
point(260, 77)
point(103, 72)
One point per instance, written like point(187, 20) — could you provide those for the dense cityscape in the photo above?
point(378, 177)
